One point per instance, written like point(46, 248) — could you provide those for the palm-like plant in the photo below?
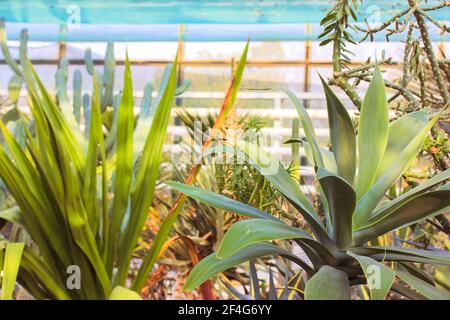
point(80, 208)
point(352, 180)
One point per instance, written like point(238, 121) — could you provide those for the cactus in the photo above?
point(77, 81)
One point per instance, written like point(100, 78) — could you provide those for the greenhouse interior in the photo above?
point(225, 150)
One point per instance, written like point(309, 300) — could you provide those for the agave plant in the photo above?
point(83, 212)
point(352, 178)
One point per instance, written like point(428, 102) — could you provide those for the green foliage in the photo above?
point(66, 200)
point(10, 257)
point(339, 245)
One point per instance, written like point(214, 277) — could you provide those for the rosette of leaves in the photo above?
point(352, 180)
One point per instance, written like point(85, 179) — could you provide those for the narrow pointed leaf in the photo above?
point(341, 200)
point(379, 277)
point(121, 293)
point(401, 132)
point(342, 134)
point(280, 178)
point(390, 206)
point(370, 200)
point(220, 201)
point(211, 265)
point(372, 133)
point(421, 207)
point(423, 287)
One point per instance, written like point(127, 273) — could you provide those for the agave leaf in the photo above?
point(342, 135)
point(417, 272)
point(253, 275)
point(315, 150)
point(252, 231)
point(379, 277)
point(272, 288)
point(121, 293)
point(328, 284)
point(418, 208)
point(280, 178)
point(390, 206)
point(421, 286)
point(13, 254)
point(220, 201)
point(372, 133)
point(341, 199)
point(401, 132)
point(211, 265)
point(329, 161)
point(404, 254)
point(370, 200)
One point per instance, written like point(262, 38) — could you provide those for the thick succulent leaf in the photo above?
point(417, 271)
point(379, 277)
point(280, 178)
point(12, 215)
point(342, 134)
point(307, 126)
point(341, 200)
point(390, 206)
point(220, 201)
point(11, 264)
point(211, 265)
point(401, 132)
point(370, 200)
point(416, 209)
point(121, 293)
point(254, 281)
point(251, 231)
point(328, 284)
point(404, 254)
point(424, 288)
point(372, 133)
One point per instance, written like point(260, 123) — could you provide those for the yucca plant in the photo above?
point(10, 257)
point(352, 180)
point(81, 210)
